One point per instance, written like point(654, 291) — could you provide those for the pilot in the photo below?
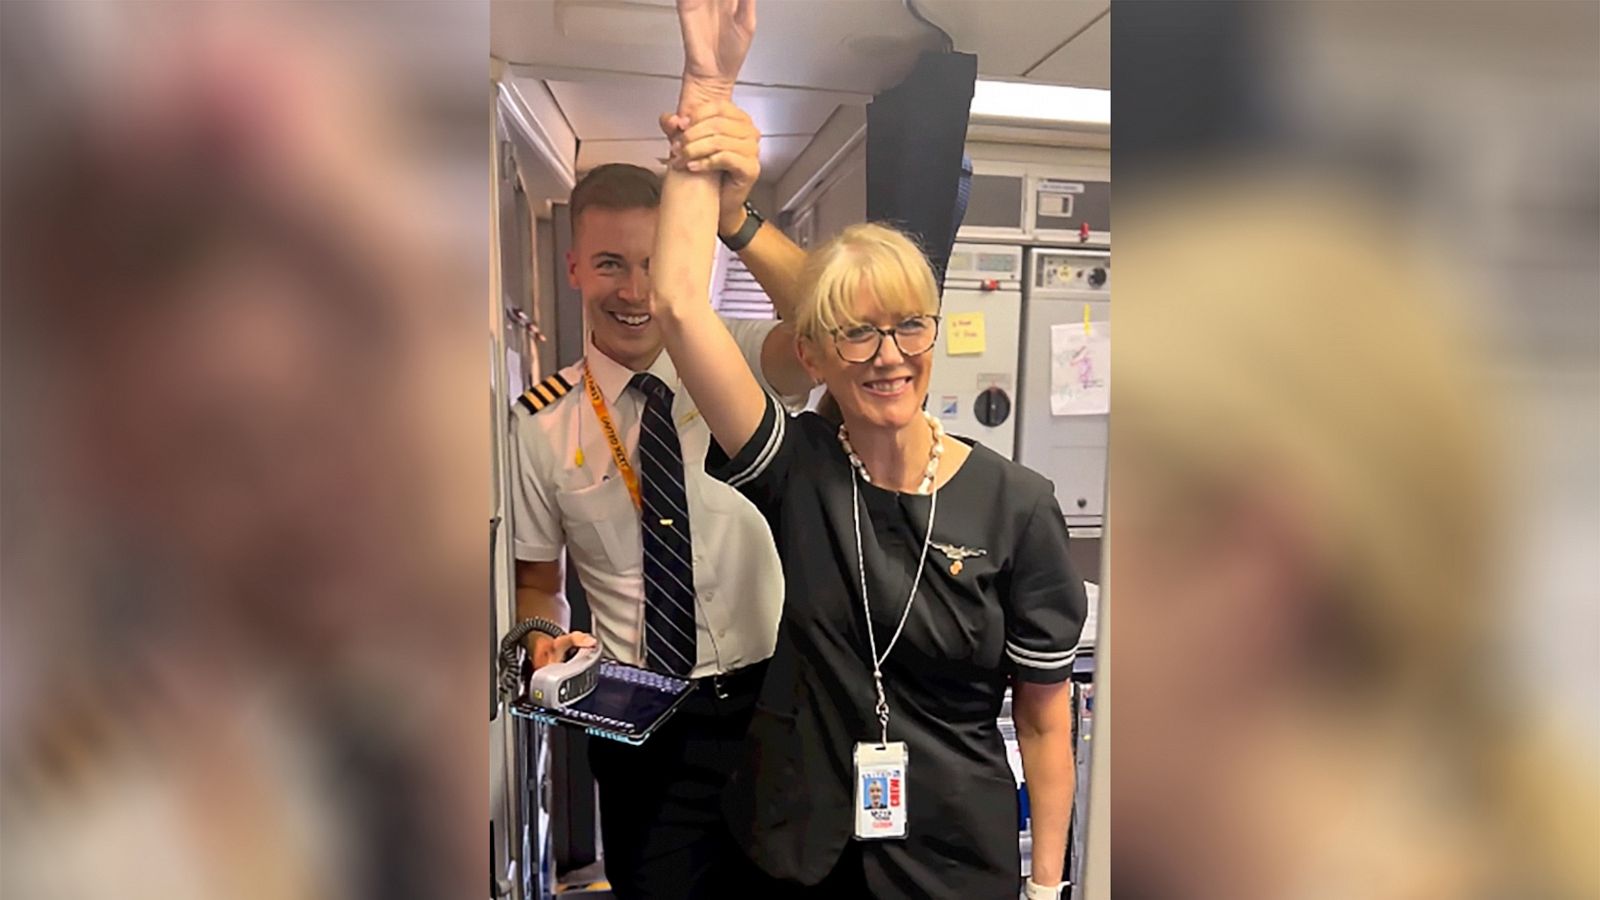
point(679, 569)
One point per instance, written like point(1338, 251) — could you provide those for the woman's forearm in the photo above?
point(705, 355)
point(686, 237)
point(1047, 764)
point(1044, 715)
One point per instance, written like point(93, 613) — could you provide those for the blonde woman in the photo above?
point(924, 573)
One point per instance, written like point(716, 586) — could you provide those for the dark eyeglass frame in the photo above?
point(892, 334)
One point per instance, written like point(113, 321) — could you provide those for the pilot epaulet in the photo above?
point(545, 393)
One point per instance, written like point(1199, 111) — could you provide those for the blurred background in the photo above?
point(242, 642)
point(1353, 472)
point(1356, 458)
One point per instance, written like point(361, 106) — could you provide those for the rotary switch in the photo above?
point(992, 407)
point(1097, 277)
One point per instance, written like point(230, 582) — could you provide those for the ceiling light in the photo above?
point(1028, 101)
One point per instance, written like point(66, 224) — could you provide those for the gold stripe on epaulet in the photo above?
point(556, 385)
point(545, 393)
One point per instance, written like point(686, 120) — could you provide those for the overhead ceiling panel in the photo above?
point(1084, 62)
point(1010, 36)
point(860, 46)
point(628, 108)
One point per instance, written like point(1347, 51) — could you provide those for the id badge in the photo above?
point(880, 791)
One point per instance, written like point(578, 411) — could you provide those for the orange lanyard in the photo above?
point(618, 454)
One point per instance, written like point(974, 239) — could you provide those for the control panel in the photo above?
point(979, 263)
point(1056, 270)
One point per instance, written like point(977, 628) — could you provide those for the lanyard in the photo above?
point(861, 566)
point(618, 454)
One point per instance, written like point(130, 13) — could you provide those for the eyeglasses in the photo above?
point(861, 343)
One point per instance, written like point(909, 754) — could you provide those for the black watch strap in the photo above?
point(747, 232)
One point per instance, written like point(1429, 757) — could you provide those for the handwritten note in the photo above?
point(1080, 370)
point(964, 334)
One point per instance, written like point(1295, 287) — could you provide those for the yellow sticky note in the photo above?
point(964, 334)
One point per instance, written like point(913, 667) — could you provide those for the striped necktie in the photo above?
point(669, 642)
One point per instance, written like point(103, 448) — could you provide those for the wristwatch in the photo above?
point(746, 233)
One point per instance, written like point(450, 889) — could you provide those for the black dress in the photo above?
point(1013, 612)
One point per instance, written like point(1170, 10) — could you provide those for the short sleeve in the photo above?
point(536, 532)
point(761, 468)
point(1045, 602)
point(751, 336)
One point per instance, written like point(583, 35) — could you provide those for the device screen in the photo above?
point(630, 708)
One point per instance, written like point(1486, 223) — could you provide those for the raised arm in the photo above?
point(776, 262)
point(716, 36)
point(721, 137)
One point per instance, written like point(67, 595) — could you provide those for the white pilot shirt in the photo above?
point(587, 510)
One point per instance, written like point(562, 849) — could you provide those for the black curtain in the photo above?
point(916, 133)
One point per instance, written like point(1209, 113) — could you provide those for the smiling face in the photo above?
point(609, 264)
point(870, 277)
point(888, 389)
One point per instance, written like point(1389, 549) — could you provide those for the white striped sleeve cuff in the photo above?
point(1036, 659)
point(769, 446)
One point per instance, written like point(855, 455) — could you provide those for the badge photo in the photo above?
point(880, 790)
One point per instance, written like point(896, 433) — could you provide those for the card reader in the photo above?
point(561, 684)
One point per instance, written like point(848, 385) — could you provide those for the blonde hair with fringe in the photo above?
point(863, 258)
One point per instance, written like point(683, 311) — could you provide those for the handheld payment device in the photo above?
point(559, 685)
point(603, 697)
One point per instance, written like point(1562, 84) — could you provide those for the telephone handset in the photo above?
point(603, 697)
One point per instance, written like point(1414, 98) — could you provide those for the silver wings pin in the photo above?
point(956, 554)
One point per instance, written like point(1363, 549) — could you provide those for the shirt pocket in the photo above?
point(599, 521)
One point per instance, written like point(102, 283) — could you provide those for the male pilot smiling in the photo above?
point(679, 569)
